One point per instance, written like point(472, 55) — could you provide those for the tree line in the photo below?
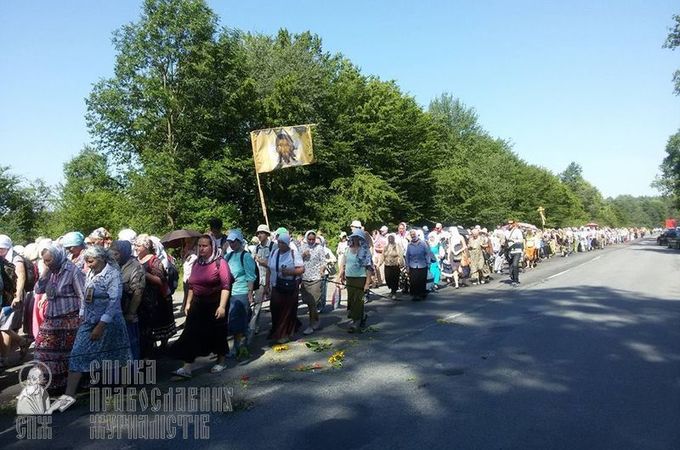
point(170, 145)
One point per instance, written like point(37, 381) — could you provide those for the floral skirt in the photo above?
point(53, 345)
point(114, 345)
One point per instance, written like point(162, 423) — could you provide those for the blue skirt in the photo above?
point(114, 345)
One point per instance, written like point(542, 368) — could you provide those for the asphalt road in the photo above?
point(584, 354)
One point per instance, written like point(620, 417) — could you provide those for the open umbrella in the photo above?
point(175, 238)
point(592, 225)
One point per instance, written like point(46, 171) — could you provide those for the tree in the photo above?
point(171, 107)
point(23, 207)
point(91, 197)
point(673, 42)
point(669, 182)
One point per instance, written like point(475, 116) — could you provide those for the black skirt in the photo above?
point(203, 334)
point(417, 281)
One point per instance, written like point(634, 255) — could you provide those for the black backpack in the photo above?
point(173, 277)
point(9, 281)
point(256, 283)
point(31, 274)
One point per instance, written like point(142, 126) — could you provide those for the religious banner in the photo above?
point(278, 148)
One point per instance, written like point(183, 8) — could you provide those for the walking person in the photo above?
point(11, 316)
point(205, 330)
point(498, 243)
point(61, 289)
point(262, 251)
point(479, 271)
point(157, 323)
point(418, 259)
point(314, 260)
point(516, 250)
point(133, 283)
point(356, 270)
point(189, 257)
point(393, 257)
point(456, 252)
point(102, 335)
point(243, 270)
point(435, 246)
point(379, 243)
point(283, 284)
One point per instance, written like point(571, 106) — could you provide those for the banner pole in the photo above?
point(264, 206)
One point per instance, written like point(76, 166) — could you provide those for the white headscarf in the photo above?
point(455, 238)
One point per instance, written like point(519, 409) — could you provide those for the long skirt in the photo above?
point(53, 345)
point(283, 306)
point(112, 346)
point(392, 277)
point(417, 281)
point(163, 319)
point(133, 335)
point(203, 334)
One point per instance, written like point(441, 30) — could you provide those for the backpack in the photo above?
point(31, 275)
point(173, 277)
point(256, 283)
point(9, 281)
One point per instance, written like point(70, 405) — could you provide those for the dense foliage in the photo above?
point(171, 144)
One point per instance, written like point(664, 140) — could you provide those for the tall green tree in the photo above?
point(170, 112)
point(24, 207)
point(673, 42)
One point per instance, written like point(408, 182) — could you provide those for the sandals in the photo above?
point(217, 368)
point(182, 373)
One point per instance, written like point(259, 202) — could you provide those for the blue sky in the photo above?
point(576, 81)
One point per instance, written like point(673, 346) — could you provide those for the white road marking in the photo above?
point(558, 274)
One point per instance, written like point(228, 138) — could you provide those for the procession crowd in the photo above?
point(79, 299)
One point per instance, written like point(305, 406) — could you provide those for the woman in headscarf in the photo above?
point(393, 256)
point(101, 237)
point(284, 268)
point(418, 259)
point(74, 244)
point(189, 257)
point(242, 267)
point(62, 289)
point(356, 271)
point(157, 318)
point(134, 281)
point(479, 271)
point(435, 245)
point(31, 255)
point(11, 315)
point(102, 335)
point(206, 327)
point(457, 247)
point(498, 243)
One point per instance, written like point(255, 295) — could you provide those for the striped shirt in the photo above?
point(65, 290)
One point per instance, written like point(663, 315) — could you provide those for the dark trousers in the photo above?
point(514, 266)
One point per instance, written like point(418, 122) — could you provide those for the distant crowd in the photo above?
point(78, 299)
